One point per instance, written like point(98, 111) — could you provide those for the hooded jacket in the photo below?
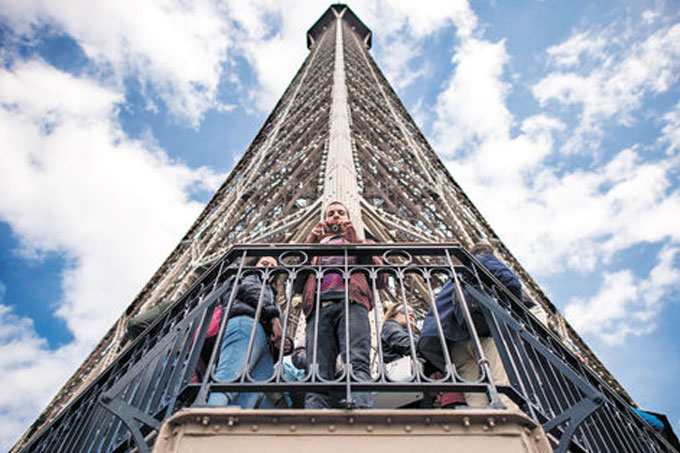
point(395, 341)
point(359, 289)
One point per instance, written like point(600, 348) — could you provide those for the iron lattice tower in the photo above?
point(339, 132)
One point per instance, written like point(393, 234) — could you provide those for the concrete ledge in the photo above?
point(358, 431)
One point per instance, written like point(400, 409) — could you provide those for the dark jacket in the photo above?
point(247, 296)
point(359, 289)
point(395, 341)
point(502, 273)
point(453, 323)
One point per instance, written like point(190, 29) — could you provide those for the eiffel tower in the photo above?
point(339, 132)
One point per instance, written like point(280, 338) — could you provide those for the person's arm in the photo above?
point(249, 292)
point(299, 358)
point(503, 274)
point(139, 323)
point(314, 237)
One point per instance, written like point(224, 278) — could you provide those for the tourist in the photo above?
point(337, 228)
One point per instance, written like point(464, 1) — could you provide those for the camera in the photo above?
point(332, 228)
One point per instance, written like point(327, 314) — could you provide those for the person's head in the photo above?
point(336, 212)
point(482, 247)
point(261, 261)
point(397, 312)
point(266, 261)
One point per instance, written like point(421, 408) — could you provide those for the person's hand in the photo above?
point(317, 233)
point(277, 332)
point(349, 233)
point(287, 346)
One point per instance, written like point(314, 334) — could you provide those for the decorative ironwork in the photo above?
point(158, 374)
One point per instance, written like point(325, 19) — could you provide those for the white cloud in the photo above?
point(400, 31)
point(31, 370)
point(671, 130)
point(569, 52)
point(583, 215)
point(556, 214)
point(471, 109)
point(174, 48)
point(396, 16)
point(626, 305)
point(72, 183)
point(395, 60)
point(614, 87)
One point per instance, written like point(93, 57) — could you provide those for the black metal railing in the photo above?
point(172, 364)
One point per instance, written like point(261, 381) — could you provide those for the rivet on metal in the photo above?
point(331, 428)
point(466, 422)
point(255, 427)
point(205, 421)
point(446, 427)
point(491, 422)
point(408, 428)
point(369, 428)
point(292, 428)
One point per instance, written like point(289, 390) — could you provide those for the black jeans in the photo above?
point(332, 342)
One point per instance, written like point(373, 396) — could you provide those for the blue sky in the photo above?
point(560, 120)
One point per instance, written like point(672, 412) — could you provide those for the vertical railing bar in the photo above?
point(560, 393)
point(202, 396)
point(76, 430)
point(504, 352)
point(374, 275)
point(450, 372)
point(278, 375)
point(115, 426)
point(53, 436)
point(128, 395)
point(604, 432)
point(407, 310)
point(186, 350)
point(483, 363)
point(314, 365)
point(550, 403)
point(528, 376)
point(514, 355)
point(89, 429)
point(83, 435)
point(623, 434)
point(165, 381)
point(349, 401)
point(245, 369)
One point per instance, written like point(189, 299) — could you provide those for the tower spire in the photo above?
point(340, 183)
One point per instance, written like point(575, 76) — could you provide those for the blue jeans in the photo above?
point(232, 357)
